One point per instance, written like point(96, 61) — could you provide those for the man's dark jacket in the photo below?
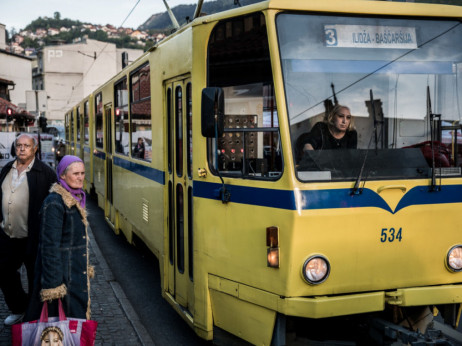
point(39, 178)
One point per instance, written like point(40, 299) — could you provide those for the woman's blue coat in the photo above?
point(62, 268)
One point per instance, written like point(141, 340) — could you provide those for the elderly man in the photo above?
point(24, 185)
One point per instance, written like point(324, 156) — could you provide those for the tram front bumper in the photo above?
point(339, 305)
point(321, 307)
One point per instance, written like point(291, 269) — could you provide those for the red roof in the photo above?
point(6, 81)
point(17, 111)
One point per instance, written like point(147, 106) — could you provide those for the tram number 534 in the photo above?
point(390, 235)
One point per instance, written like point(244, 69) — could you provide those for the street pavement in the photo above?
point(118, 323)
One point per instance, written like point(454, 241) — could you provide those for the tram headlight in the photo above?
point(272, 259)
point(316, 269)
point(454, 260)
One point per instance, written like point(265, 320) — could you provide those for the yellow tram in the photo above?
point(194, 149)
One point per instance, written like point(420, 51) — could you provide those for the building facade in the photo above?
point(16, 68)
point(70, 72)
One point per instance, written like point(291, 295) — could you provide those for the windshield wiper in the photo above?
point(356, 190)
point(431, 117)
point(374, 117)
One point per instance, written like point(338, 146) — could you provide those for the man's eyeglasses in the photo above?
point(23, 146)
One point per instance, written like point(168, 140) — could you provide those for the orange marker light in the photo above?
point(272, 241)
point(272, 236)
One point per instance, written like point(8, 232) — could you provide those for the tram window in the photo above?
point(78, 123)
point(250, 145)
point(86, 122)
point(169, 130)
point(140, 114)
point(190, 234)
point(189, 149)
point(179, 130)
point(171, 223)
point(239, 62)
point(180, 228)
point(66, 125)
point(451, 137)
point(386, 85)
point(71, 127)
point(99, 121)
point(121, 117)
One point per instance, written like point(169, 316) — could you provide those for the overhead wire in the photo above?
point(97, 55)
point(128, 15)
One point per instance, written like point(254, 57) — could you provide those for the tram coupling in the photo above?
point(387, 333)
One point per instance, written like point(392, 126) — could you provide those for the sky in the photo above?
point(18, 13)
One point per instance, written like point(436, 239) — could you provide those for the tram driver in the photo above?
point(336, 131)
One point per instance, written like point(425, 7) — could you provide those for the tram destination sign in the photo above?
point(370, 36)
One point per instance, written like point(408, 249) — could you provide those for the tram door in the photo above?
point(180, 233)
point(108, 117)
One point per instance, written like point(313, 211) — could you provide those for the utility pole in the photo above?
point(9, 113)
point(36, 102)
point(38, 123)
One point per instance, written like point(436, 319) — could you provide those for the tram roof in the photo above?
point(342, 7)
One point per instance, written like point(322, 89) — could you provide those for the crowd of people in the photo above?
point(43, 226)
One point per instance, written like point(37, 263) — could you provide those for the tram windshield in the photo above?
point(373, 94)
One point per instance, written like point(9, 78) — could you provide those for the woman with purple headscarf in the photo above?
point(62, 268)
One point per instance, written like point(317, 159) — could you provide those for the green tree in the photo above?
point(29, 43)
point(99, 35)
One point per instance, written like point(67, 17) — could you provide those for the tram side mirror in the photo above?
point(213, 107)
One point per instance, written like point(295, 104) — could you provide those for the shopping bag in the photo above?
point(70, 331)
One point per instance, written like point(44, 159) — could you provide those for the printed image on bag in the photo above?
point(54, 331)
point(52, 336)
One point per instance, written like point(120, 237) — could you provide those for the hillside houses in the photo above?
point(139, 37)
point(53, 32)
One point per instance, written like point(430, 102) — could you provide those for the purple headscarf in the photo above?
point(78, 194)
